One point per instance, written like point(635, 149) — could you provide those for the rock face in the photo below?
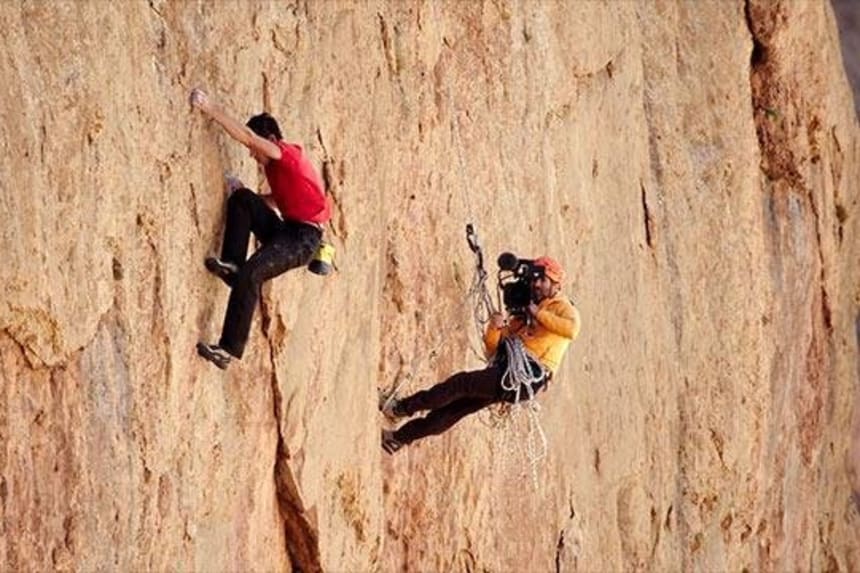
point(694, 165)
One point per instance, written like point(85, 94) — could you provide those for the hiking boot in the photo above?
point(214, 354)
point(222, 269)
point(389, 443)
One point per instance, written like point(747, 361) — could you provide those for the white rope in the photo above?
point(481, 305)
point(519, 374)
point(519, 377)
point(457, 144)
point(478, 296)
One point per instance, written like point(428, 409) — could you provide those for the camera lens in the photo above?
point(508, 261)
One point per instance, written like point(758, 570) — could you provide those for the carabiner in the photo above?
point(472, 238)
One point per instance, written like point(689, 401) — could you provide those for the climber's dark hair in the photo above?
point(265, 125)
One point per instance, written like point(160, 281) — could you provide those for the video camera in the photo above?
point(515, 281)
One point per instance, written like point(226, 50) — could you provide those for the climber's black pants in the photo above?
point(285, 245)
point(450, 401)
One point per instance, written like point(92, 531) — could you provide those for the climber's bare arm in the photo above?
point(234, 129)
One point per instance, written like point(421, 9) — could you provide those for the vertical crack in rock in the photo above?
point(558, 550)
point(646, 215)
point(771, 112)
point(774, 117)
point(780, 113)
point(195, 216)
point(826, 312)
point(560, 545)
point(668, 255)
point(267, 92)
point(387, 46)
point(328, 178)
point(333, 181)
point(300, 536)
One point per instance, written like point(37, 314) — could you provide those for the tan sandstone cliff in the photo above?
point(693, 164)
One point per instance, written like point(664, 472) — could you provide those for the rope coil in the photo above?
point(519, 374)
point(519, 377)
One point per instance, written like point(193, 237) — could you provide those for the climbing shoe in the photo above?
point(222, 269)
point(389, 443)
point(214, 354)
point(390, 407)
point(232, 183)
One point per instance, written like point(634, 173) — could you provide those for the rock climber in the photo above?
point(288, 240)
point(546, 329)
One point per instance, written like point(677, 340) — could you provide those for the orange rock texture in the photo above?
point(693, 164)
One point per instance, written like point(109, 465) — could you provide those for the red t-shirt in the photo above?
point(296, 186)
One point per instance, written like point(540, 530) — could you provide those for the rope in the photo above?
point(519, 376)
point(481, 304)
point(479, 294)
point(457, 144)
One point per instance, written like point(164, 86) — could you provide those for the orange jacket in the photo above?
point(554, 326)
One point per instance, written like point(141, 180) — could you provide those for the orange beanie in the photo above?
point(551, 268)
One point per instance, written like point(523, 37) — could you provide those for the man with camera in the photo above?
point(536, 333)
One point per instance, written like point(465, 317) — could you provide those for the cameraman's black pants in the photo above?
point(285, 245)
point(450, 401)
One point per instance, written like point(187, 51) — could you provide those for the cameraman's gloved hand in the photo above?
point(497, 320)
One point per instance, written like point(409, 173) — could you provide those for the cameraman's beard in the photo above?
point(537, 296)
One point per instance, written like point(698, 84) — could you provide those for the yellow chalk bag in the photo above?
point(322, 263)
